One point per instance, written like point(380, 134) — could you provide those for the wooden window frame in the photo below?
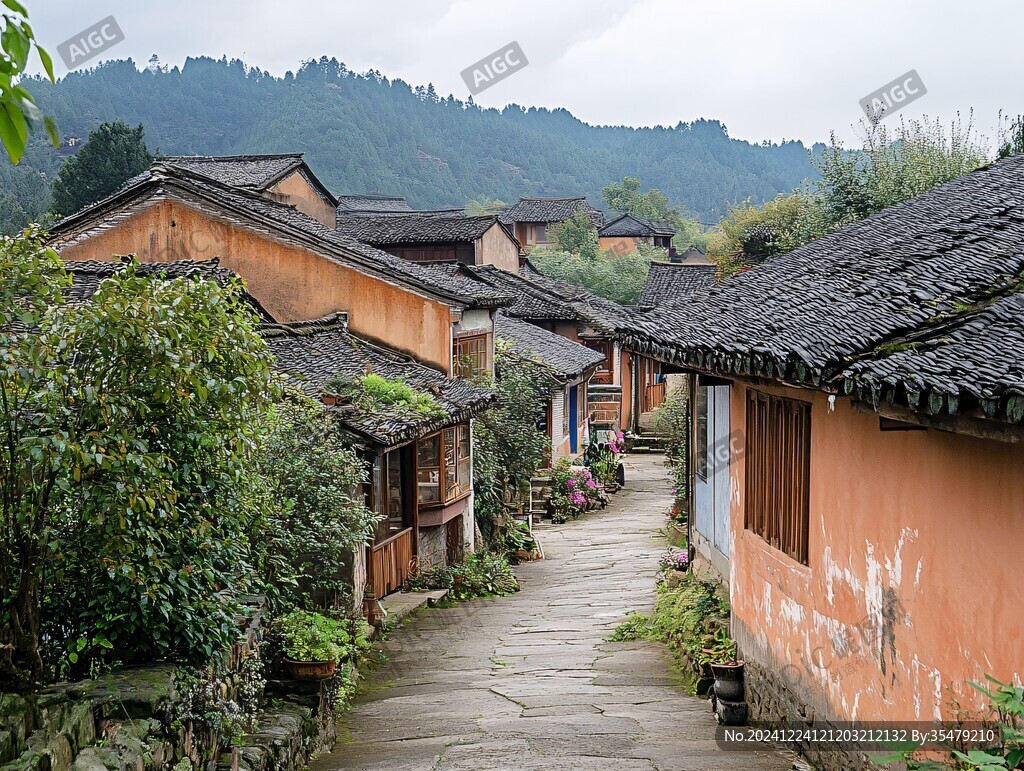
point(701, 424)
point(480, 358)
point(777, 462)
point(448, 491)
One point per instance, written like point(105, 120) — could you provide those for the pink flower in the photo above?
point(591, 483)
point(587, 474)
point(619, 435)
point(570, 482)
point(577, 498)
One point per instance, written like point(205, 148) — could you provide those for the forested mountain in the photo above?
point(366, 133)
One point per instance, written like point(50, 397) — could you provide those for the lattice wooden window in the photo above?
point(443, 466)
point(778, 445)
point(471, 355)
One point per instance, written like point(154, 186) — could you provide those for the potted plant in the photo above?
point(312, 644)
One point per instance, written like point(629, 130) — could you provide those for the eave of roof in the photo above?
point(284, 220)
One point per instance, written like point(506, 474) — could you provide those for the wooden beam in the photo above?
point(956, 424)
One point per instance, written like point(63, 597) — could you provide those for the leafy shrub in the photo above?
point(484, 574)
point(372, 391)
point(672, 422)
point(636, 627)
point(310, 636)
point(314, 516)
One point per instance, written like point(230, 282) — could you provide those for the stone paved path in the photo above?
point(529, 681)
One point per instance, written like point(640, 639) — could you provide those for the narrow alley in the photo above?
point(530, 681)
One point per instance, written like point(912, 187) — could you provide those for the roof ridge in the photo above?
point(243, 157)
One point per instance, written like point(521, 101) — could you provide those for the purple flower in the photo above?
point(591, 483)
point(570, 482)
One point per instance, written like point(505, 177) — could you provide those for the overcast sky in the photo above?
point(768, 69)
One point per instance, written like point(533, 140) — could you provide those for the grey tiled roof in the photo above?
point(311, 353)
point(255, 172)
point(86, 276)
point(286, 222)
point(567, 358)
point(372, 203)
point(918, 271)
point(549, 210)
point(414, 227)
point(629, 225)
point(669, 281)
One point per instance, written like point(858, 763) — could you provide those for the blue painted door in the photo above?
point(574, 423)
point(711, 483)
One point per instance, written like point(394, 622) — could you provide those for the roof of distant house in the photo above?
point(311, 353)
point(421, 227)
point(675, 281)
point(87, 275)
point(540, 298)
point(549, 210)
point(913, 306)
point(630, 226)
point(249, 172)
point(287, 223)
point(567, 358)
point(372, 203)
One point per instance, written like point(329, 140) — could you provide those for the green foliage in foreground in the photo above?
point(18, 112)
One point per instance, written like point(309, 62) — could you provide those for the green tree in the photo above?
point(18, 112)
point(314, 518)
point(894, 166)
point(113, 154)
point(618, 277)
point(577, 235)
point(625, 196)
point(508, 448)
point(130, 423)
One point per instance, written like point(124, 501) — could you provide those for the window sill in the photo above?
point(443, 504)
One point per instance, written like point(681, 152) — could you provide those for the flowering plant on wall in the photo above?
point(573, 491)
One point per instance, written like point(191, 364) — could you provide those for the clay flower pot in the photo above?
point(310, 670)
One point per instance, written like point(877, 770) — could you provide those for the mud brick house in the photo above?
point(435, 236)
point(411, 319)
point(675, 282)
point(858, 452)
point(421, 480)
point(298, 267)
point(624, 233)
point(530, 219)
point(571, 365)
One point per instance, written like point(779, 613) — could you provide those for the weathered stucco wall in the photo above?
point(495, 248)
point(620, 244)
point(293, 284)
point(913, 583)
point(296, 190)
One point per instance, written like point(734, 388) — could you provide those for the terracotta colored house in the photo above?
point(857, 456)
point(624, 233)
point(299, 269)
point(530, 219)
point(435, 236)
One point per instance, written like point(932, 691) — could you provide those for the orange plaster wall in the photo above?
point(620, 244)
point(293, 284)
point(295, 190)
point(913, 586)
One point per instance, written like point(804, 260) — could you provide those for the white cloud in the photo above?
point(780, 69)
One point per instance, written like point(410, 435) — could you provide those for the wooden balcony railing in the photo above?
point(390, 562)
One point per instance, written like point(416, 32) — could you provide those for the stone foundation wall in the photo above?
point(772, 701)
